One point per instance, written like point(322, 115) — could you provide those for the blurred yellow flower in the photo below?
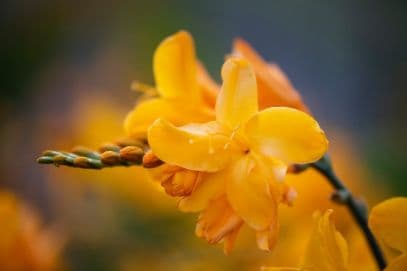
point(186, 91)
point(388, 222)
point(24, 244)
point(240, 158)
point(327, 250)
point(188, 94)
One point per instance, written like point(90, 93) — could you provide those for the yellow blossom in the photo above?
point(240, 158)
point(327, 250)
point(186, 92)
point(24, 244)
point(388, 222)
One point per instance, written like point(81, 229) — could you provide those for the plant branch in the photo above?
point(356, 207)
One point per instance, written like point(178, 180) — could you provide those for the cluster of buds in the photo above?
point(123, 152)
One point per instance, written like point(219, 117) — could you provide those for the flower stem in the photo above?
point(357, 208)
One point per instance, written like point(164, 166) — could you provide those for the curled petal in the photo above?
point(249, 193)
point(180, 183)
point(237, 101)
point(209, 187)
point(267, 239)
point(327, 249)
point(217, 221)
point(286, 134)
point(175, 67)
point(146, 112)
point(388, 222)
point(274, 88)
point(230, 239)
point(195, 147)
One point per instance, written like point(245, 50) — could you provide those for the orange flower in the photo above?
point(186, 92)
point(389, 224)
point(327, 250)
point(239, 159)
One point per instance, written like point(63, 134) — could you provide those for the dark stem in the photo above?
point(357, 208)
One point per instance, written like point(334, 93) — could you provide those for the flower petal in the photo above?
point(146, 112)
point(195, 147)
point(210, 186)
point(217, 221)
point(274, 89)
point(175, 67)
point(237, 101)
point(286, 134)
point(327, 249)
point(267, 239)
point(207, 86)
point(387, 220)
point(249, 193)
point(230, 239)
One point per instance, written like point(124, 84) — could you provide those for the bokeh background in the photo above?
point(66, 70)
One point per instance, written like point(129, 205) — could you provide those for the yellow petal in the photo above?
point(398, 264)
point(237, 101)
point(326, 249)
point(230, 239)
point(210, 186)
point(286, 134)
point(195, 147)
point(267, 239)
point(249, 194)
point(175, 67)
point(274, 88)
point(181, 182)
point(388, 222)
point(217, 221)
point(146, 112)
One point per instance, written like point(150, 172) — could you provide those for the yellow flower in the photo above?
point(327, 250)
point(388, 222)
point(240, 158)
point(24, 244)
point(187, 93)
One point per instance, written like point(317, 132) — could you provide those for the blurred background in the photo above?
point(65, 76)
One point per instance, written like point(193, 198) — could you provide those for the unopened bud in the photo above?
point(132, 154)
point(181, 183)
point(110, 158)
point(82, 162)
point(109, 147)
point(150, 160)
point(59, 159)
point(83, 151)
point(45, 160)
point(124, 142)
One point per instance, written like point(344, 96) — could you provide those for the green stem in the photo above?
point(357, 208)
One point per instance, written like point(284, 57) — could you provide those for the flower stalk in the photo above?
point(356, 207)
